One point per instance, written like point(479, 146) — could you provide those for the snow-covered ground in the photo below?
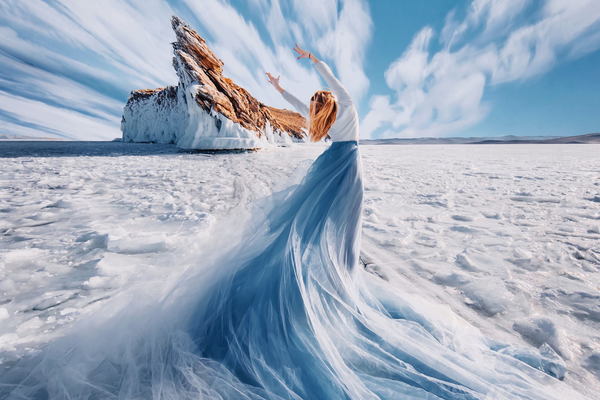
point(507, 235)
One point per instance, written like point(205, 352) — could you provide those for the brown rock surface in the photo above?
point(199, 68)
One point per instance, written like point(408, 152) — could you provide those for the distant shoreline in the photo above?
point(590, 138)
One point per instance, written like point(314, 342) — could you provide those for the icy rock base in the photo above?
point(171, 116)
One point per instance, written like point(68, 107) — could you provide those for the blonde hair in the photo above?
point(323, 111)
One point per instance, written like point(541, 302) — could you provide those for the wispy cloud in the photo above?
point(77, 60)
point(439, 92)
point(35, 118)
point(339, 31)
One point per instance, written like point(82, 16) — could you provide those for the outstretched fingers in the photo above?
point(301, 52)
point(271, 78)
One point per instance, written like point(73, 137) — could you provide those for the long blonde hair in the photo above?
point(323, 111)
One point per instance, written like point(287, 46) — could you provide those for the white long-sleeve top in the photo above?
point(346, 125)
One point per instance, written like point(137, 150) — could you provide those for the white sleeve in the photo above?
point(340, 91)
point(296, 103)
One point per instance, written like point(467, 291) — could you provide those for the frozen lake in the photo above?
point(507, 235)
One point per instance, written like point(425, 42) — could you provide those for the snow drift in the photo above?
point(205, 110)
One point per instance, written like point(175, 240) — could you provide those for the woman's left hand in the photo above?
point(303, 53)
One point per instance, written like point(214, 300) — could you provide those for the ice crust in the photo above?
point(446, 225)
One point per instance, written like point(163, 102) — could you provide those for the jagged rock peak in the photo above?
point(216, 91)
point(194, 45)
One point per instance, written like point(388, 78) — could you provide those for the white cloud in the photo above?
point(89, 55)
point(70, 65)
point(37, 83)
point(52, 121)
point(498, 41)
point(535, 48)
point(338, 31)
point(347, 42)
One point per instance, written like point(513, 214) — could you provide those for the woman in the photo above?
point(271, 321)
point(287, 313)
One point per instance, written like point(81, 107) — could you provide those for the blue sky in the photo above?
point(415, 68)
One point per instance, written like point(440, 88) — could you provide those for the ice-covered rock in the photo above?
point(206, 110)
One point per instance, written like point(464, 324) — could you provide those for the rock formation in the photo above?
point(206, 110)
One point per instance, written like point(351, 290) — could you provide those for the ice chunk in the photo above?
point(487, 295)
point(545, 359)
point(592, 363)
point(540, 330)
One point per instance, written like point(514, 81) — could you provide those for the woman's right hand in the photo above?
point(274, 81)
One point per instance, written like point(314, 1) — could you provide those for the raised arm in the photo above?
point(296, 103)
point(343, 96)
point(293, 100)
